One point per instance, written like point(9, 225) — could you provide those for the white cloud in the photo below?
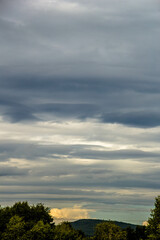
point(68, 214)
point(145, 223)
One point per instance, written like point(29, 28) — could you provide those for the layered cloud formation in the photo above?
point(79, 105)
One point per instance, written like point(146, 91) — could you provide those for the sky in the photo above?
point(79, 106)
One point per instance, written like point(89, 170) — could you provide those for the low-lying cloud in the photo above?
point(66, 214)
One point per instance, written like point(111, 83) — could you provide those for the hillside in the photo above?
point(88, 225)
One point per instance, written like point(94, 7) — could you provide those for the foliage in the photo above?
point(130, 234)
point(5, 216)
point(31, 213)
point(153, 228)
point(64, 231)
point(39, 231)
point(25, 222)
point(138, 234)
point(14, 229)
point(109, 231)
point(141, 233)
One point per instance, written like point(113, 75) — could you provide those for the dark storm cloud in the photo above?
point(132, 101)
point(92, 64)
point(139, 119)
point(69, 110)
point(12, 171)
point(18, 115)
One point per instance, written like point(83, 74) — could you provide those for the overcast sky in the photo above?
point(80, 106)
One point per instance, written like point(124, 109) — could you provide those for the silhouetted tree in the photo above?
point(153, 228)
point(131, 235)
point(25, 222)
point(141, 233)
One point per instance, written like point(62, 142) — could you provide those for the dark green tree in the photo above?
point(153, 228)
point(64, 231)
point(131, 235)
point(141, 233)
point(36, 222)
point(33, 213)
point(5, 215)
point(109, 231)
point(30, 214)
point(14, 229)
point(40, 231)
point(138, 234)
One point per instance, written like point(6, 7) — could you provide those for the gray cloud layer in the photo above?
point(79, 101)
point(101, 56)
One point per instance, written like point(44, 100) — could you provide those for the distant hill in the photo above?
point(88, 225)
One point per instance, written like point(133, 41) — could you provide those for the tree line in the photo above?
point(24, 222)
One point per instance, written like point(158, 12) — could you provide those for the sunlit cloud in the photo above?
point(145, 223)
point(68, 214)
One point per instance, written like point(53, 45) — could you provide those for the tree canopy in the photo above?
point(25, 222)
point(109, 231)
point(33, 222)
point(153, 228)
point(22, 221)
